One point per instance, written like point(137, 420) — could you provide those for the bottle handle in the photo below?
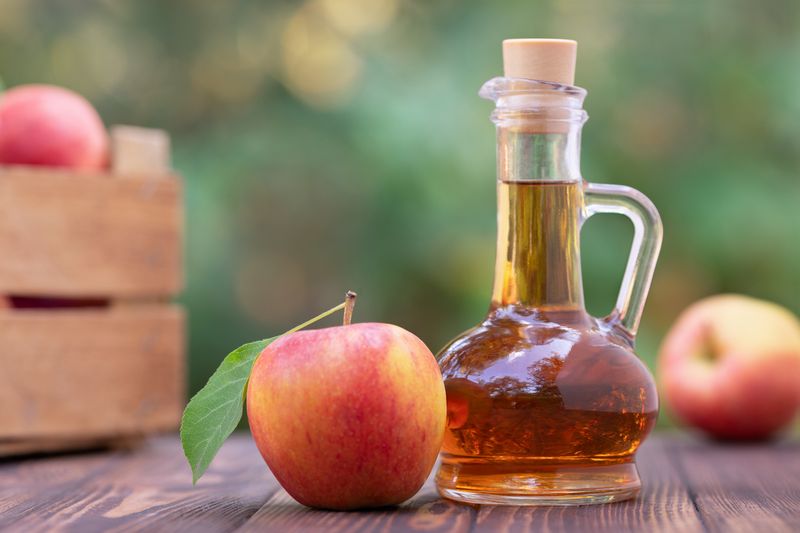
point(647, 236)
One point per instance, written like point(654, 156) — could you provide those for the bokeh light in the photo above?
point(340, 144)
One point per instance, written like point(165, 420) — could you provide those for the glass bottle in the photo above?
point(547, 404)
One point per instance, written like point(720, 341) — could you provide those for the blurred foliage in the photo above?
point(340, 144)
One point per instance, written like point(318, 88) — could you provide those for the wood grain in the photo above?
point(689, 485)
point(33, 489)
point(65, 234)
point(743, 487)
point(146, 489)
point(90, 373)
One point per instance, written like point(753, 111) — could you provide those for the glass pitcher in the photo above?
point(547, 404)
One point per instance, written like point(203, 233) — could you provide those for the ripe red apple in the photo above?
point(731, 366)
point(348, 417)
point(50, 126)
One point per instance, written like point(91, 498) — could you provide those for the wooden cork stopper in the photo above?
point(540, 59)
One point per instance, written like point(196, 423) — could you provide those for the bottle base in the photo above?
point(505, 483)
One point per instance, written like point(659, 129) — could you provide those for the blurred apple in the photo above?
point(50, 126)
point(730, 366)
point(348, 417)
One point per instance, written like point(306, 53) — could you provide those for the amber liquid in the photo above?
point(544, 401)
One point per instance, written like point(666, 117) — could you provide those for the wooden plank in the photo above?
point(735, 488)
point(744, 487)
point(145, 489)
point(136, 150)
point(424, 512)
point(88, 373)
point(663, 505)
point(30, 489)
point(89, 235)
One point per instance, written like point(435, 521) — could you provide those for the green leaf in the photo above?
point(214, 412)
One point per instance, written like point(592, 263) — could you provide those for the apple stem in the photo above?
point(349, 304)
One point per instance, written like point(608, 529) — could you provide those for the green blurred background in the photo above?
point(340, 144)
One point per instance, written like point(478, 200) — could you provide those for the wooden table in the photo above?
point(689, 485)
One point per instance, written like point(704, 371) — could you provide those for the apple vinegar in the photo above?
point(545, 403)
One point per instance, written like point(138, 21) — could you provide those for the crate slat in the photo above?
point(90, 373)
point(66, 234)
point(136, 150)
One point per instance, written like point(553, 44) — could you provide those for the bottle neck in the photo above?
point(525, 155)
point(540, 199)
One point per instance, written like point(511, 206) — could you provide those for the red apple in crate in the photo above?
point(50, 126)
point(348, 417)
point(730, 366)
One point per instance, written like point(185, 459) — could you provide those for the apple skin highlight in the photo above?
point(730, 366)
point(348, 417)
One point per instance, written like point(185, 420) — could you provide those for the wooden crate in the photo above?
point(73, 377)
